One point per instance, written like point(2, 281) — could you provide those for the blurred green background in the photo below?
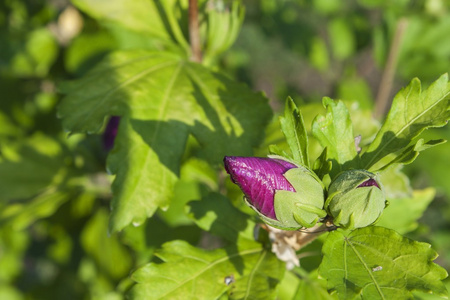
point(54, 192)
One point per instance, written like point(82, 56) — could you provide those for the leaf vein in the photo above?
point(228, 257)
point(349, 242)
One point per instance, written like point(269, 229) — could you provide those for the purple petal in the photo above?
point(259, 178)
point(370, 182)
point(110, 132)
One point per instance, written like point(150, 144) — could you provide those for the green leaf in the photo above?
point(21, 214)
point(36, 55)
point(261, 281)
point(342, 38)
point(145, 179)
point(378, 263)
point(276, 150)
point(294, 130)
point(402, 213)
point(311, 287)
point(14, 244)
point(30, 167)
point(288, 286)
point(334, 131)
point(197, 178)
point(107, 251)
point(192, 273)
point(412, 111)
point(155, 18)
point(395, 183)
point(215, 214)
point(162, 100)
point(321, 165)
point(411, 153)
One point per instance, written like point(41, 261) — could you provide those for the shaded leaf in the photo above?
point(378, 263)
point(412, 111)
point(322, 166)
point(191, 273)
point(215, 214)
point(411, 153)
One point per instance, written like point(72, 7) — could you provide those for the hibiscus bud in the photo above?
point(284, 195)
point(110, 132)
point(356, 199)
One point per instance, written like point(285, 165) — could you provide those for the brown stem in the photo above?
point(307, 236)
point(384, 90)
point(194, 32)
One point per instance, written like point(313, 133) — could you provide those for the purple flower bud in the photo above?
point(370, 182)
point(259, 178)
point(110, 132)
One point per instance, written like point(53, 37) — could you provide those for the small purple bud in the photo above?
point(355, 199)
point(370, 182)
point(259, 178)
point(110, 132)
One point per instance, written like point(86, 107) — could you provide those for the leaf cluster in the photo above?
point(377, 261)
point(65, 234)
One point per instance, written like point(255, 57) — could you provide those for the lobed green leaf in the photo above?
point(335, 132)
point(192, 273)
point(378, 263)
point(412, 111)
point(155, 18)
point(162, 100)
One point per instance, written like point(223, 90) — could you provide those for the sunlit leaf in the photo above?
point(141, 15)
point(191, 273)
point(412, 111)
point(334, 131)
point(295, 132)
point(378, 263)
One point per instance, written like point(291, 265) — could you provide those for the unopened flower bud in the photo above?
point(355, 199)
point(285, 195)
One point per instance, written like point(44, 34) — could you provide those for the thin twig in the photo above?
point(384, 90)
point(194, 32)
